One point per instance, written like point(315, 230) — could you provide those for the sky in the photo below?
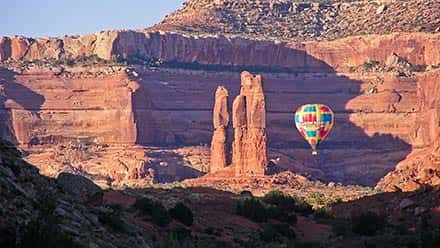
point(38, 18)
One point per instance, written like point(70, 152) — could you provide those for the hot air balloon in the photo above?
point(314, 122)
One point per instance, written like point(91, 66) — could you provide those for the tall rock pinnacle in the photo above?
point(249, 155)
point(221, 122)
point(249, 122)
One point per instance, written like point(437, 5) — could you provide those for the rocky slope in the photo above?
point(303, 20)
point(71, 211)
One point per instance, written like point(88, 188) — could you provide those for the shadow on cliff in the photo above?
point(15, 96)
point(407, 208)
point(349, 155)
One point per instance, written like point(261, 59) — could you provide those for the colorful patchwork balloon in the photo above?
point(314, 122)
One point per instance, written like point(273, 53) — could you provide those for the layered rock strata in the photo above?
point(312, 56)
point(421, 166)
point(379, 115)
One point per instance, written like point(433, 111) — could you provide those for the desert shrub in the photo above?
point(368, 223)
point(182, 213)
point(280, 199)
point(114, 221)
point(274, 232)
point(323, 213)
point(277, 213)
point(158, 213)
point(308, 244)
point(246, 193)
point(252, 209)
point(317, 198)
point(42, 234)
point(214, 231)
point(10, 156)
point(178, 237)
point(286, 203)
point(268, 234)
point(369, 65)
point(341, 227)
point(8, 237)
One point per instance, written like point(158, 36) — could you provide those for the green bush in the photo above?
point(158, 213)
point(182, 213)
point(252, 209)
point(277, 213)
point(368, 223)
point(280, 199)
point(39, 234)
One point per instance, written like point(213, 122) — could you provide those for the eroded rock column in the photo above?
point(221, 122)
point(249, 120)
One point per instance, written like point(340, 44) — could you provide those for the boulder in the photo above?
point(406, 203)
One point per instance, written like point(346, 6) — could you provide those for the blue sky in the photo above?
point(36, 18)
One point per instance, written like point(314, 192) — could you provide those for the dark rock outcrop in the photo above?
point(80, 188)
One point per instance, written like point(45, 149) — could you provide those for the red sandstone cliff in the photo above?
point(417, 48)
point(421, 166)
point(381, 117)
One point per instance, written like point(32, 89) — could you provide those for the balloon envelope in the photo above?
point(314, 122)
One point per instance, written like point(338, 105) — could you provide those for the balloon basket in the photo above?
point(314, 153)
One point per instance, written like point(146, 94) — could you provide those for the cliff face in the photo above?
point(381, 117)
point(45, 108)
point(417, 48)
point(421, 166)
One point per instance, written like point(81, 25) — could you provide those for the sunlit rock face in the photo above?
point(221, 122)
point(249, 155)
point(381, 117)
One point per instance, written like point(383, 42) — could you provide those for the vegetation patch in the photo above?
point(182, 213)
point(253, 210)
point(154, 210)
point(368, 223)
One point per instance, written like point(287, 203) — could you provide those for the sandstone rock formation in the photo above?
point(249, 155)
point(249, 121)
point(422, 166)
point(221, 123)
point(291, 56)
point(49, 102)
